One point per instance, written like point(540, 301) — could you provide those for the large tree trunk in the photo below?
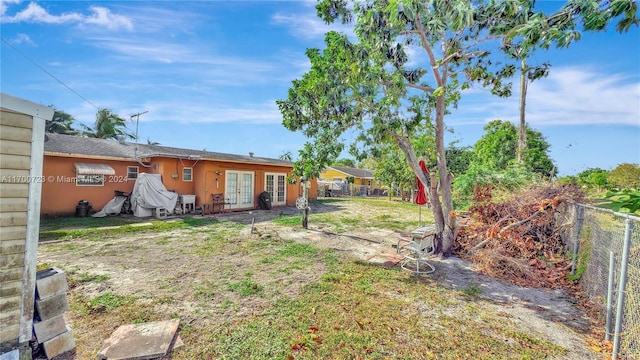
point(431, 190)
point(522, 130)
point(447, 228)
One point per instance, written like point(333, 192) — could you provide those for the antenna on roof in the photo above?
point(137, 121)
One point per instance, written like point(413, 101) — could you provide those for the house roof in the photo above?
point(58, 144)
point(357, 173)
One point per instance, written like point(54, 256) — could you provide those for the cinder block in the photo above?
point(59, 344)
point(160, 213)
point(50, 328)
point(11, 355)
point(52, 306)
point(50, 282)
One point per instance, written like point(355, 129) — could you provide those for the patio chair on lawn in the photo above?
point(416, 250)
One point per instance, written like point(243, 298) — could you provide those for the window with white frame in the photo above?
point(132, 172)
point(187, 174)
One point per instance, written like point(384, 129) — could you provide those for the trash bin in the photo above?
point(264, 201)
point(83, 208)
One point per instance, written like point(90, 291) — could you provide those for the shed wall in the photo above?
point(21, 147)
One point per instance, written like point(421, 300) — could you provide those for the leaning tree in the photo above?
point(408, 67)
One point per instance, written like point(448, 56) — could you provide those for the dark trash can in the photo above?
point(83, 208)
point(264, 201)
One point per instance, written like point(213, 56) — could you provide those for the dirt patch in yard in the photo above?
point(217, 275)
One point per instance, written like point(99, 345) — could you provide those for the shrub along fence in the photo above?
point(606, 250)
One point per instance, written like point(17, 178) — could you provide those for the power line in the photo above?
point(48, 73)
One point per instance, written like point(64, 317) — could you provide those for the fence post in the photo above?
point(576, 236)
point(610, 286)
point(622, 288)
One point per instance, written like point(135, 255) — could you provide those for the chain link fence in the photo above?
point(606, 248)
point(342, 189)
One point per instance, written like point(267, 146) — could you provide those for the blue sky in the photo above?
point(209, 72)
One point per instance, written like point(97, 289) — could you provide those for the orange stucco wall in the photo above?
point(209, 178)
point(60, 196)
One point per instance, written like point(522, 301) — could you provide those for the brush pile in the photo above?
point(520, 239)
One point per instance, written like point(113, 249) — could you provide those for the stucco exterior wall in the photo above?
point(61, 195)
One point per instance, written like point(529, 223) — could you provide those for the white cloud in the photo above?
point(3, 5)
point(574, 96)
point(36, 14)
point(308, 25)
point(100, 16)
point(569, 96)
point(202, 112)
point(22, 39)
point(103, 17)
point(304, 26)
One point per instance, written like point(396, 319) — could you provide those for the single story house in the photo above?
point(362, 181)
point(81, 168)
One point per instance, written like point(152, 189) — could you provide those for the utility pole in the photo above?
point(137, 121)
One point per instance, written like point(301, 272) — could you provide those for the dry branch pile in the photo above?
point(519, 239)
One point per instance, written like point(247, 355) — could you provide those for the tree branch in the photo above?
point(427, 48)
point(535, 214)
point(420, 87)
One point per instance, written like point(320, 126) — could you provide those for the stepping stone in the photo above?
point(386, 260)
point(140, 341)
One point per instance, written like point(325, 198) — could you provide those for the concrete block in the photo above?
point(52, 306)
point(59, 344)
point(50, 282)
point(50, 328)
point(11, 355)
point(160, 213)
point(17, 351)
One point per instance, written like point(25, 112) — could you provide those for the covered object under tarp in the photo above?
point(113, 207)
point(150, 193)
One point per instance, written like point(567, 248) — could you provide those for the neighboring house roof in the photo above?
point(91, 147)
point(357, 173)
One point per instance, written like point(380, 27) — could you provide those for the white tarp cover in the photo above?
point(113, 207)
point(150, 193)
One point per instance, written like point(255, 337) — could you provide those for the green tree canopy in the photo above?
point(108, 125)
point(61, 123)
point(593, 178)
point(371, 81)
point(625, 176)
point(392, 169)
point(458, 158)
point(496, 149)
point(346, 162)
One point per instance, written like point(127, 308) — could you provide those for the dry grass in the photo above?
point(273, 295)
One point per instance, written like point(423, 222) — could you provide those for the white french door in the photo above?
point(276, 185)
point(239, 189)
